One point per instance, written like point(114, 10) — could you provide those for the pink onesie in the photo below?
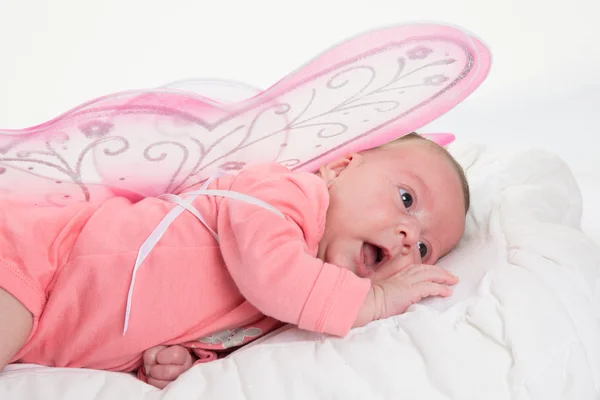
point(72, 268)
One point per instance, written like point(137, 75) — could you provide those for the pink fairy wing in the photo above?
point(360, 94)
point(226, 92)
point(379, 86)
point(218, 90)
point(115, 145)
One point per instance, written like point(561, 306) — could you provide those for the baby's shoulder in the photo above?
point(279, 175)
point(277, 183)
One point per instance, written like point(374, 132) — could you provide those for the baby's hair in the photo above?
point(459, 169)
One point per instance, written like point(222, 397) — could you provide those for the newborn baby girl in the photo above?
point(351, 244)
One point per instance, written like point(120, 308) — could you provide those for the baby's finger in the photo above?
point(429, 289)
point(158, 383)
point(150, 355)
point(432, 273)
point(174, 355)
point(168, 372)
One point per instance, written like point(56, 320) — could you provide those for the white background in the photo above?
point(543, 89)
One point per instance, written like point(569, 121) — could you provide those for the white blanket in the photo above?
point(523, 323)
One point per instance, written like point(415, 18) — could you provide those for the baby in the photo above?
point(353, 243)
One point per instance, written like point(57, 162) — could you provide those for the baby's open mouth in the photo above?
point(372, 255)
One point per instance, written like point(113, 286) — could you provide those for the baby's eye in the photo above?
point(406, 198)
point(422, 249)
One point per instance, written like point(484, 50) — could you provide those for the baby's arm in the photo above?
point(269, 258)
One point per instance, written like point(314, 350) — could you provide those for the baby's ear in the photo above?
point(329, 172)
point(443, 139)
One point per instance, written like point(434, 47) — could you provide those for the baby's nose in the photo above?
point(408, 232)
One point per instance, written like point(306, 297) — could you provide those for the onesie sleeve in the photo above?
point(272, 259)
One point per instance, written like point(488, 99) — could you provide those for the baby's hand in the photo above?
point(408, 286)
point(163, 364)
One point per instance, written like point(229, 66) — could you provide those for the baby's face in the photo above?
point(403, 203)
